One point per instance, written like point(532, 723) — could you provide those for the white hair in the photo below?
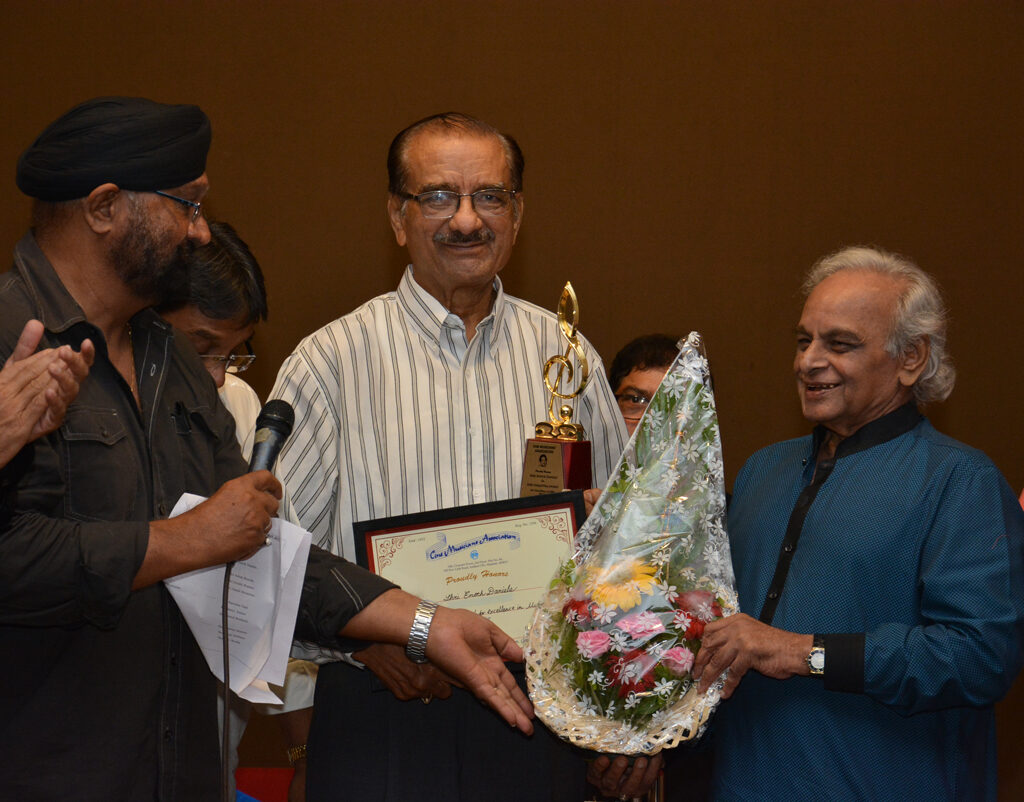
point(920, 313)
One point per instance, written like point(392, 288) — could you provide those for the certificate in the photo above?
point(496, 559)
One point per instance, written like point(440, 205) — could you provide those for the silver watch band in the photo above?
point(416, 648)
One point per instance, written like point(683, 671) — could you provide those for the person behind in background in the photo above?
point(423, 399)
point(878, 564)
point(226, 299)
point(111, 698)
point(637, 371)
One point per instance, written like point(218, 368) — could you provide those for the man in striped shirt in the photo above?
point(423, 399)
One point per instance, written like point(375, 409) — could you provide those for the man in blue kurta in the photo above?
point(879, 568)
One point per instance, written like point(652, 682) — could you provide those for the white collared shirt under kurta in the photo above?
point(395, 412)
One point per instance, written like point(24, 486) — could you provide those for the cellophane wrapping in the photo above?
point(611, 647)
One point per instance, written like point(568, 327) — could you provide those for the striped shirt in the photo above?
point(395, 412)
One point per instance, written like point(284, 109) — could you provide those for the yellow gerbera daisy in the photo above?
point(620, 585)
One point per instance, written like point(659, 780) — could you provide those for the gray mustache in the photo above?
point(459, 238)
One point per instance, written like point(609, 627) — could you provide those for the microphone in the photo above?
point(273, 426)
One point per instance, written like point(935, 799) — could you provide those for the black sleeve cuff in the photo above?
point(333, 592)
point(844, 662)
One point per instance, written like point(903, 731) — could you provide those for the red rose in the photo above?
point(576, 610)
point(702, 603)
point(632, 671)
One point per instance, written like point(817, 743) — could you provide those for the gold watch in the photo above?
point(816, 657)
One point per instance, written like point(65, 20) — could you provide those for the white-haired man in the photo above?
point(898, 546)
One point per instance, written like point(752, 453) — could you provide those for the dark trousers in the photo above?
point(366, 745)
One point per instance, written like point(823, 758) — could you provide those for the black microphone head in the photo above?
point(277, 415)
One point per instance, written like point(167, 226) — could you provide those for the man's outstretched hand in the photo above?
point(473, 651)
point(468, 648)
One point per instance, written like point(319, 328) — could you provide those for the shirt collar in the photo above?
point(880, 430)
point(58, 311)
point(430, 315)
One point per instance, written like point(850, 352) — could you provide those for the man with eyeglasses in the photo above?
point(423, 399)
point(104, 692)
point(227, 298)
point(636, 373)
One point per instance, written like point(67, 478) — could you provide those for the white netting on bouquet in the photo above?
point(612, 645)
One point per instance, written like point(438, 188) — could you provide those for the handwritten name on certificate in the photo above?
point(498, 565)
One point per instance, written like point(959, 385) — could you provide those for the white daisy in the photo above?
point(663, 687)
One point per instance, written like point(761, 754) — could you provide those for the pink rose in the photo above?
point(641, 625)
point(678, 660)
point(593, 643)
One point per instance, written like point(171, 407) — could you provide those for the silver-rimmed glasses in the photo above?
point(632, 405)
point(441, 204)
point(233, 363)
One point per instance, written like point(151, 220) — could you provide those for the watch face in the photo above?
point(818, 660)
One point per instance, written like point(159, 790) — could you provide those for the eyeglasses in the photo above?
point(632, 405)
point(440, 204)
point(193, 207)
point(233, 363)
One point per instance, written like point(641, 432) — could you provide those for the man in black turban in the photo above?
point(103, 690)
point(133, 144)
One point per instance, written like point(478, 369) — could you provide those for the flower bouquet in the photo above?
point(612, 644)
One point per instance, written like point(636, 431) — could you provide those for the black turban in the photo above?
point(135, 143)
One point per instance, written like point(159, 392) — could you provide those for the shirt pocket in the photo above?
point(102, 473)
point(197, 438)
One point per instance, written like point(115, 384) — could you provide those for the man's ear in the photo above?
point(396, 216)
point(102, 206)
point(914, 360)
point(520, 203)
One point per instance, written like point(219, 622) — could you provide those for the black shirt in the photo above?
point(104, 693)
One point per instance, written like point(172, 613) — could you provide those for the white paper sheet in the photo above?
point(263, 603)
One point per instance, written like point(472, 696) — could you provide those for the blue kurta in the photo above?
point(911, 547)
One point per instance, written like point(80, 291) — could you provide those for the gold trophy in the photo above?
point(558, 458)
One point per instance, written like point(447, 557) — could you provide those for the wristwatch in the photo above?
point(816, 657)
point(416, 647)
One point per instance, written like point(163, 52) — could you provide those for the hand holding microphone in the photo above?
point(241, 510)
point(258, 491)
point(233, 523)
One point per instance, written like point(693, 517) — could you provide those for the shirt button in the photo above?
point(162, 508)
point(788, 548)
point(773, 595)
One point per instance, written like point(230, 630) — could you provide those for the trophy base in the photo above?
point(551, 466)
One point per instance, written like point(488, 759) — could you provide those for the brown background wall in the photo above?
point(685, 163)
